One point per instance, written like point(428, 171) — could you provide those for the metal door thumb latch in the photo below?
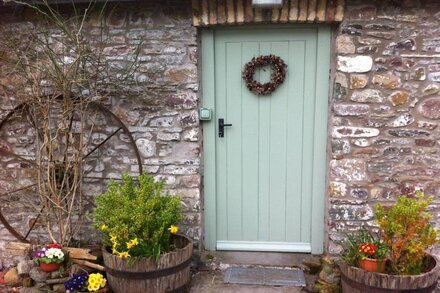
point(221, 127)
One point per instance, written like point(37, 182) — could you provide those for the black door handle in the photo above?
point(221, 127)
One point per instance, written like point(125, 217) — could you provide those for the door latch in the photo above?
point(221, 127)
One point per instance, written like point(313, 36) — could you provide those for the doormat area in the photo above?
point(265, 276)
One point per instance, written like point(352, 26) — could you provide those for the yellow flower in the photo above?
point(104, 227)
point(114, 248)
point(132, 243)
point(95, 282)
point(173, 229)
point(123, 254)
point(92, 288)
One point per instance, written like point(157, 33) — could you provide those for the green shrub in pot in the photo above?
point(136, 217)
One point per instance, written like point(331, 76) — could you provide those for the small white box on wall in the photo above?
point(267, 3)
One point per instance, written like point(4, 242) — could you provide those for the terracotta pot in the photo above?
point(373, 265)
point(50, 267)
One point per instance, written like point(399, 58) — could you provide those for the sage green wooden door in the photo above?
point(264, 165)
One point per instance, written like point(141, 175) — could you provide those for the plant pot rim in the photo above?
point(374, 259)
point(188, 245)
point(50, 267)
point(102, 290)
point(394, 280)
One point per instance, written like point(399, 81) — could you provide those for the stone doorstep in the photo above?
point(217, 259)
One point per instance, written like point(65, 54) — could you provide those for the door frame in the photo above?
point(320, 132)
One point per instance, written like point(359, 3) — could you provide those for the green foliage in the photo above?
point(406, 230)
point(351, 254)
point(137, 214)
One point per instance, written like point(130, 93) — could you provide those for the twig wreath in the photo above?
point(276, 77)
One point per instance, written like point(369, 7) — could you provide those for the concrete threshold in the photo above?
point(247, 258)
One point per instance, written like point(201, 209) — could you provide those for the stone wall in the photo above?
point(385, 110)
point(164, 119)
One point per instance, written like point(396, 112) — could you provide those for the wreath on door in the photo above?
point(277, 76)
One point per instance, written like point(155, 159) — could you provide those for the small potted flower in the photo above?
point(86, 283)
point(50, 258)
point(365, 251)
point(373, 256)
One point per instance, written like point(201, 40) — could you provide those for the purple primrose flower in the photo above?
point(38, 253)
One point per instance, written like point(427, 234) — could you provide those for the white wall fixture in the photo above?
point(267, 3)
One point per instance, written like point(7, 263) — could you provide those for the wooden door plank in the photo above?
point(233, 138)
point(263, 154)
point(320, 140)
point(294, 138)
point(250, 151)
point(209, 139)
point(220, 110)
point(278, 152)
point(308, 126)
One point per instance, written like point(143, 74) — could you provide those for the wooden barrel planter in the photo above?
point(356, 280)
point(169, 273)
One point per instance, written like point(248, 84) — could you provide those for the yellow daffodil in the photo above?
point(123, 254)
point(113, 238)
point(173, 229)
point(104, 227)
point(132, 243)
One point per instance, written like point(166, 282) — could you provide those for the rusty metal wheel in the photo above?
point(104, 144)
